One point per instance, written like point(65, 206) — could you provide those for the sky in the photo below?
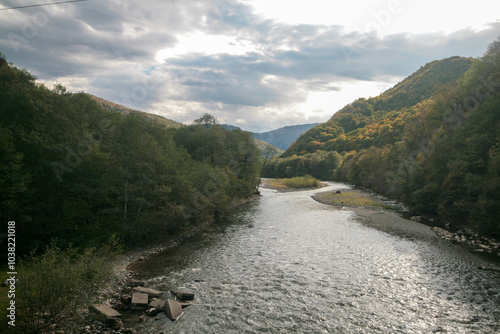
point(256, 64)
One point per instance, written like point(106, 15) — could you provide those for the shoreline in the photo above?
point(112, 291)
point(393, 222)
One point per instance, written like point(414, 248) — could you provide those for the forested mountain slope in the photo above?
point(79, 173)
point(381, 120)
point(432, 141)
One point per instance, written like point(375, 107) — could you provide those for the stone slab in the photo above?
point(139, 300)
point(104, 312)
point(183, 295)
point(151, 292)
point(173, 309)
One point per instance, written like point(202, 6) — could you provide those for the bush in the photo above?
point(55, 286)
point(302, 182)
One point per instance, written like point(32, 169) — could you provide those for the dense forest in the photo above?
point(79, 173)
point(432, 141)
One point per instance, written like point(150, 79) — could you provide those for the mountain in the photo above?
point(282, 138)
point(268, 150)
point(108, 105)
point(432, 142)
point(381, 120)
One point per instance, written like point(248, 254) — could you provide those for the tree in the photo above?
point(206, 120)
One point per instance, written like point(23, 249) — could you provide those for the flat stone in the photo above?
point(173, 309)
point(104, 312)
point(157, 304)
point(151, 292)
point(139, 301)
point(182, 295)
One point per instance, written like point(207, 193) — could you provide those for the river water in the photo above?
point(287, 264)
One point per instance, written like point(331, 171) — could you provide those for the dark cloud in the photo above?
point(112, 46)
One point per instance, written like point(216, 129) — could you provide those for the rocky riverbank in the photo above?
point(114, 293)
point(393, 217)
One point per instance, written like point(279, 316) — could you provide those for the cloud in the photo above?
point(246, 67)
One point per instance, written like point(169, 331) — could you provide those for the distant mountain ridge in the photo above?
point(283, 137)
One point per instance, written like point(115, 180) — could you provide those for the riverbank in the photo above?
point(111, 293)
point(390, 216)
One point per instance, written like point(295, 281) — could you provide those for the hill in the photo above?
point(432, 141)
point(381, 120)
point(283, 137)
point(108, 105)
point(76, 172)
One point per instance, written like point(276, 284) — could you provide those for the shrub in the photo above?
point(55, 286)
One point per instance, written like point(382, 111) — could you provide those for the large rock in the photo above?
point(173, 309)
point(151, 292)
point(139, 301)
point(103, 312)
point(182, 295)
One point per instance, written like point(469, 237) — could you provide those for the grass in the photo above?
point(353, 198)
point(298, 182)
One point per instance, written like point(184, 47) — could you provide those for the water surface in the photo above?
point(287, 264)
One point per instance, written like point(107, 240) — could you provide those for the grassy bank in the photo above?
point(301, 182)
point(352, 198)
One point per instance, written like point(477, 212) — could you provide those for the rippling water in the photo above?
point(287, 264)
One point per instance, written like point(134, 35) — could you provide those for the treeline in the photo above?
point(320, 164)
point(437, 149)
point(75, 172)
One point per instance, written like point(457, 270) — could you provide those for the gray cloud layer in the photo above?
point(109, 47)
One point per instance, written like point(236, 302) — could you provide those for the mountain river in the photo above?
point(285, 263)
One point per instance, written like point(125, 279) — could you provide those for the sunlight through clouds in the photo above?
point(206, 44)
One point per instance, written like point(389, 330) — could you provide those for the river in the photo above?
point(285, 263)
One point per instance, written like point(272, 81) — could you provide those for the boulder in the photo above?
point(151, 292)
point(182, 295)
point(139, 301)
point(103, 312)
point(173, 309)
